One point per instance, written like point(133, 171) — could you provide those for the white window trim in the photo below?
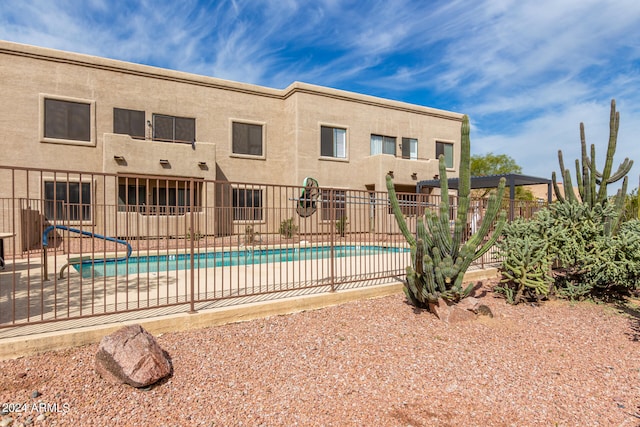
point(92, 124)
point(264, 139)
point(453, 144)
point(346, 142)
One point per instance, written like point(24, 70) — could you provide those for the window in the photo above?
point(67, 201)
point(336, 200)
point(447, 150)
point(129, 122)
point(410, 148)
point(333, 142)
point(247, 204)
point(70, 120)
point(383, 145)
point(157, 196)
point(247, 139)
point(173, 129)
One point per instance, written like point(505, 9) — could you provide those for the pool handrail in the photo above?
point(45, 242)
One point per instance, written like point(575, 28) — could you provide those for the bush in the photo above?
point(568, 250)
point(288, 228)
point(341, 226)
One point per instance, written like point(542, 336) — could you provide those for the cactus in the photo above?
point(589, 178)
point(526, 265)
point(441, 257)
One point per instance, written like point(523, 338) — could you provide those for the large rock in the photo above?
point(132, 356)
point(441, 309)
point(453, 313)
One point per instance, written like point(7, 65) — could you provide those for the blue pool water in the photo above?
point(164, 263)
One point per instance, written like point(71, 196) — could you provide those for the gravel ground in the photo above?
point(375, 362)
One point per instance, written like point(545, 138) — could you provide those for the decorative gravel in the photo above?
point(376, 362)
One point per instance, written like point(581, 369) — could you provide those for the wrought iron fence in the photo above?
point(80, 244)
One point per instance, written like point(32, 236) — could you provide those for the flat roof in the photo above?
point(489, 181)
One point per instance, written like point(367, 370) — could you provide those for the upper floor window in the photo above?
point(67, 201)
point(129, 122)
point(381, 144)
point(174, 129)
point(247, 139)
point(333, 142)
point(410, 148)
point(446, 149)
point(67, 120)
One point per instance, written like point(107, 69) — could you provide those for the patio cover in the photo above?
point(491, 181)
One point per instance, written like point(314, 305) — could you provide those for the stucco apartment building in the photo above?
point(67, 111)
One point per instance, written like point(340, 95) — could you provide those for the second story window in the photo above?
point(381, 144)
point(247, 139)
point(129, 122)
point(174, 129)
point(67, 120)
point(410, 148)
point(333, 142)
point(447, 150)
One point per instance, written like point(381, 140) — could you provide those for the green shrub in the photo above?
point(568, 250)
point(341, 226)
point(288, 228)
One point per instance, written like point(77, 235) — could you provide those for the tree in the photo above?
point(493, 164)
point(497, 164)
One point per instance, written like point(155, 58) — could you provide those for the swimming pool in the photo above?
point(164, 263)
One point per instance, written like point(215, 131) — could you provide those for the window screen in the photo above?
point(247, 139)
point(67, 120)
point(174, 129)
point(129, 122)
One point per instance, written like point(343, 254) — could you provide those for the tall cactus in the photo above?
point(588, 177)
point(441, 257)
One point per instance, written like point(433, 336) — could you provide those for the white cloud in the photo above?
point(526, 72)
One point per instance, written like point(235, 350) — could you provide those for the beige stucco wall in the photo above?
point(291, 118)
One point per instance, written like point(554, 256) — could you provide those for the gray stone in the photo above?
point(132, 356)
point(484, 310)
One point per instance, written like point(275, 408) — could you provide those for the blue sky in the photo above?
point(526, 72)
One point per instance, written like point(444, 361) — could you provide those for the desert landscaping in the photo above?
point(370, 362)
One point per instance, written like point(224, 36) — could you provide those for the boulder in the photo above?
point(469, 303)
point(132, 356)
point(440, 309)
point(485, 310)
point(464, 310)
point(458, 314)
